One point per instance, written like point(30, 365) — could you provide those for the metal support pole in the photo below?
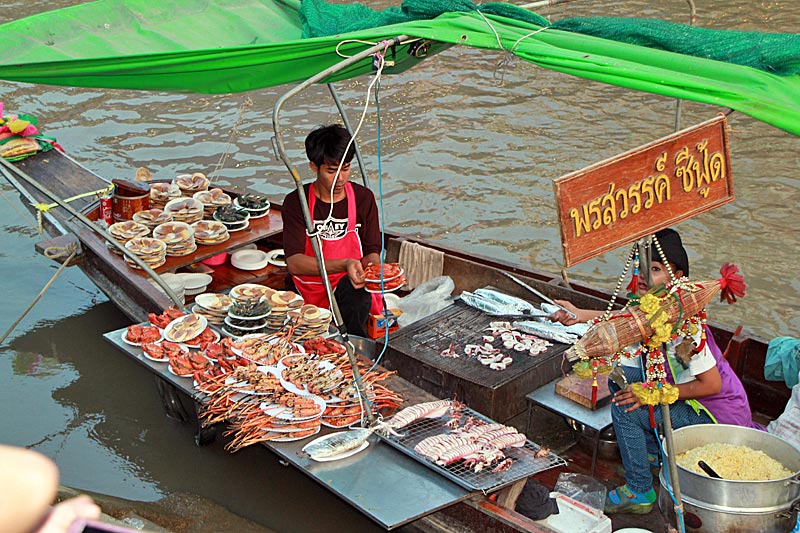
point(361, 167)
point(645, 261)
point(7, 167)
point(672, 466)
point(281, 152)
point(679, 105)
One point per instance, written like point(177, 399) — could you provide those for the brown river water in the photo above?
point(469, 150)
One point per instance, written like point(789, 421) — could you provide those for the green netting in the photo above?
point(778, 53)
point(321, 19)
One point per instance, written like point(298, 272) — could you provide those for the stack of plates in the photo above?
point(185, 209)
point(310, 319)
point(249, 259)
point(152, 217)
point(161, 193)
point(125, 231)
point(151, 251)
point(194, 282)
point(211, 200)
point(213, 306)
point(191, 183)
point(282, 302)
point(178, 236)
point(175, 283)
point(250, 317)
point(210, 232)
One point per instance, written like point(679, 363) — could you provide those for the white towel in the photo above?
point(420, 263)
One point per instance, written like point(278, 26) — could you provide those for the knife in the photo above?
point(515, 279)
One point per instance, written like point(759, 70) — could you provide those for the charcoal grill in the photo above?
point(415, 352)
point(525, 463)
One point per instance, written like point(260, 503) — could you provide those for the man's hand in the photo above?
point(355, 271)
point(627, 397)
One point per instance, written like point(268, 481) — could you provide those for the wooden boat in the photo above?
point(130, 290)
point(135, 296)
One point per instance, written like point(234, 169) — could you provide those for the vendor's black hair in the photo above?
point(327, 144)
point(671, 244)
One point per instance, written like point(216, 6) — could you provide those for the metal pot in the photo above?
point(720, 505)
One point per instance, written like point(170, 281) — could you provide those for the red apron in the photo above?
point(348, 246)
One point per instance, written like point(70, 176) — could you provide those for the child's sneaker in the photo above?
point(624, 500)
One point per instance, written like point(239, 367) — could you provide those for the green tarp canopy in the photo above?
point(239, 45)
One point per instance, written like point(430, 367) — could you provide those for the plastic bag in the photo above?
point(581, 488)
point(425, 300)
point(787, 426)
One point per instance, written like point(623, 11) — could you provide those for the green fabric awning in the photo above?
point(240, 45)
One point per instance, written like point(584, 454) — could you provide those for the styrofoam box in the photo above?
point(575, 517)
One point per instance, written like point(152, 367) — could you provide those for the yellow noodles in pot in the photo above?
point(733, 462)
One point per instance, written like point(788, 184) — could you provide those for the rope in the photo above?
point(226, 152)
point(42, 207)
point(51, 252)
point(20, 212)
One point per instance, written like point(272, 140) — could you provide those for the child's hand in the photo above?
point(627, 397)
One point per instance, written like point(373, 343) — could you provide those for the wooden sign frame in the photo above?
point(624, 198)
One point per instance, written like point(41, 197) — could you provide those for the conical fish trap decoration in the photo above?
point(631, 324)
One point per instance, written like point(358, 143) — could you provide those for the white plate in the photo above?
point(217, 337)
point(244, 328)
point(126, 341)
point(232, 315)
point(207, 299)
point(344, 455)
point(283, 413)
point(169, 368)
point(326, 366)
point(378, 280)
point(194, 281)
point(273, 257)
point(262, 291)
point(234, 230)
point(290, 439)
point(260, 211)
point(385, 290)
point(172, 325)
point(249, 259)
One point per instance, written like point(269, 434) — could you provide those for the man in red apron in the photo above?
point(346, 220)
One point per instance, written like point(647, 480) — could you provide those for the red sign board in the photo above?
point(619, 200)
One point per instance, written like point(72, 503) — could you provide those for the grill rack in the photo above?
point(524, 465)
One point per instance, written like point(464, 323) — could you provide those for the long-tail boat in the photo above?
point(309, 38)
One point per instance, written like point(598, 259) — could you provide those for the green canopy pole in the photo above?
point(281, 152)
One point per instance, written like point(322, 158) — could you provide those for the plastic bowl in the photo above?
point(216, 260)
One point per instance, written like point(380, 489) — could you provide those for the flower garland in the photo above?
point(20, 138)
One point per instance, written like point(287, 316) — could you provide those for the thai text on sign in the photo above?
point(634, 194)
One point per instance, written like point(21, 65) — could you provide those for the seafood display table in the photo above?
point(598, 420)
point(383, 483)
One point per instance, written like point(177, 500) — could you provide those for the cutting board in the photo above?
point(580, 390)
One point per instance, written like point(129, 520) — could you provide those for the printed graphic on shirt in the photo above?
point(332, 229)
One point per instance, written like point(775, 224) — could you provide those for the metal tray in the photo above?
point(525, 463)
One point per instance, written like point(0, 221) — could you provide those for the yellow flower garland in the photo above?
point(652, 395)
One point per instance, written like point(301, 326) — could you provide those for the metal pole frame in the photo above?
point(281, 153)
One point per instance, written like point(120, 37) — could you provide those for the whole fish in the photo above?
point(524, 307)
point(494, 306)
point(546, 330)
point(337, 443)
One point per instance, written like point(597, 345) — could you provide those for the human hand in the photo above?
point(63, 514)
point(627, 397)
point(564, 317)
point(355, 271)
